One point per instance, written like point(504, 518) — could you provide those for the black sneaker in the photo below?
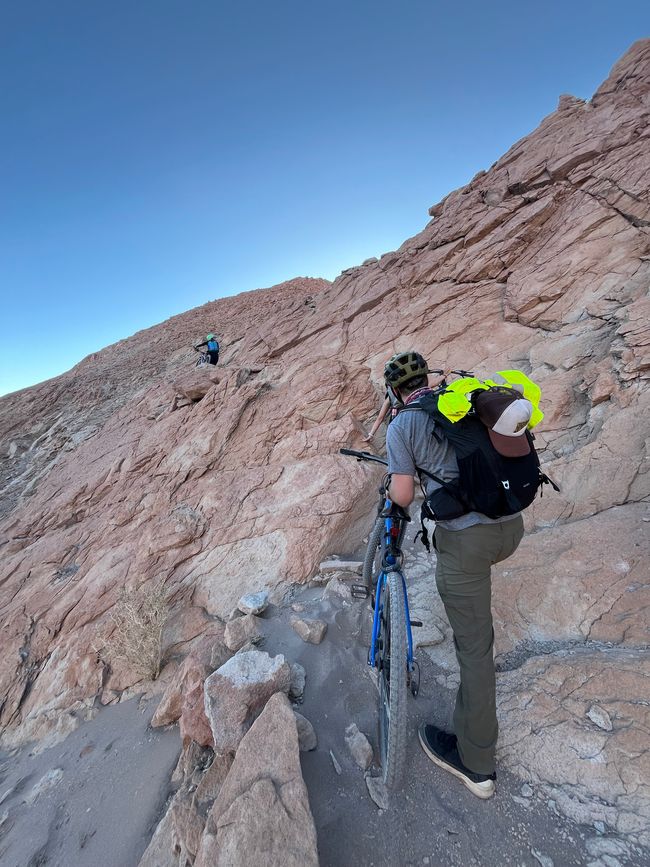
point(442, 749)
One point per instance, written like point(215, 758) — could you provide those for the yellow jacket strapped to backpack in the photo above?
point(454, 402)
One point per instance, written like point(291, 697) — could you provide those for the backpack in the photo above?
point(488, 481)
point(213, 346)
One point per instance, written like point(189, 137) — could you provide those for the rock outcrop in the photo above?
point(262, 814)
point(134, 468)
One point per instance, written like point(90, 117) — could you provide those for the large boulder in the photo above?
point(238, 691)
point(262, 814)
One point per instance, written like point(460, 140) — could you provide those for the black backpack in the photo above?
point(488, 482)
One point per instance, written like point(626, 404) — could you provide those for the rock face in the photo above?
point(135, 468)
point(262, 814)
point(590, 705)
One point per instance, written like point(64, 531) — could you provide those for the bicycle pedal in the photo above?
point(415, 622)
point(414, 679)
point(359, 591)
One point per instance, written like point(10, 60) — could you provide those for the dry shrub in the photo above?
point(139, 617)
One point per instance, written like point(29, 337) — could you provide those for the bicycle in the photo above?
point(391, 645)
point(203, 358)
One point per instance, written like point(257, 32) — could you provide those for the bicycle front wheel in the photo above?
point(392, 681)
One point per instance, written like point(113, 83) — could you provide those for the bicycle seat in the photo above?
point(395, 511)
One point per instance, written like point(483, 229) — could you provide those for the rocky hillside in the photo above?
point(134, 468)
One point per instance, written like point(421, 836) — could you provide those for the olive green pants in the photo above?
point(463, 576)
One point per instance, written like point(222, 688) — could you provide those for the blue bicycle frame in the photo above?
point(389, 564)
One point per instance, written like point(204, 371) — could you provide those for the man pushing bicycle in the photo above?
point(468, 543)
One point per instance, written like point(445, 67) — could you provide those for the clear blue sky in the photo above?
point(157, 154)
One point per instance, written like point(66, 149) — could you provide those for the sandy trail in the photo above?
point(93, 799)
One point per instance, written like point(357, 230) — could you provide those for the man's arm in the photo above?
point(401, 489)
point(401, 467)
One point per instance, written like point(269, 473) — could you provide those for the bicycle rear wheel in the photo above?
point(392, 681)
point(372, 560)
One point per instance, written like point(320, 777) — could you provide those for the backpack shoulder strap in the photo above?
point(427, 403)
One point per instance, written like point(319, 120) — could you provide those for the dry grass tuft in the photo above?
point(139, 617)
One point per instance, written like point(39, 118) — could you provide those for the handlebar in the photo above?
point(367, 456)
point(364, 456)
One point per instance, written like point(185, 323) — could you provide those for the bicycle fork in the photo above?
point(413, 669)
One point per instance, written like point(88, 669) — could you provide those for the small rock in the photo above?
point(240, 631)
point(600, 717)
point(298, 607)
point(544, 860)
point(427, 635)
point(337, 767)
point(47, 781)
point(600, 827)
point(359, 746)
point(336, 587)
point(254, 603)
point(377, 791)
point(341, 566)
point(319, 579)
point(307, 739)
point(311, 631)
point(526, 791)
point(297, 685)
point(521, 801)
point(234, 614)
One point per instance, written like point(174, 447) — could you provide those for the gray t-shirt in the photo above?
point(410, 442)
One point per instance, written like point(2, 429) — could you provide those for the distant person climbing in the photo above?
point(211, 345)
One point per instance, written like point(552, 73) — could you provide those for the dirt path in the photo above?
point(92, 800)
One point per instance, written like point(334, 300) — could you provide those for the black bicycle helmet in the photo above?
point(404, 366)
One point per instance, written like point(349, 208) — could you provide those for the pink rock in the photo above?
point(262, 814)
point(236, 693)
point(312, 631)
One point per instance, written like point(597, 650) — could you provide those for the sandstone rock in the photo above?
point(192, 757)
point(213, 778)
point(307, 739)
point(298, 680)
point(236, 693)
point(160, 851)
point(333, 566)
point(359, 746)
point(547, 736)
point(262, 814)
point(171, 704)
point(312, 631)
point(241, 630)
point(254, 603)
point(194, 723)
point(378, 791)
point(335, 763)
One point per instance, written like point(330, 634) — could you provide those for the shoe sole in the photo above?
point(481, 790)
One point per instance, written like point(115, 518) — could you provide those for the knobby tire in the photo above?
point(392, 682)
point(371, 565)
